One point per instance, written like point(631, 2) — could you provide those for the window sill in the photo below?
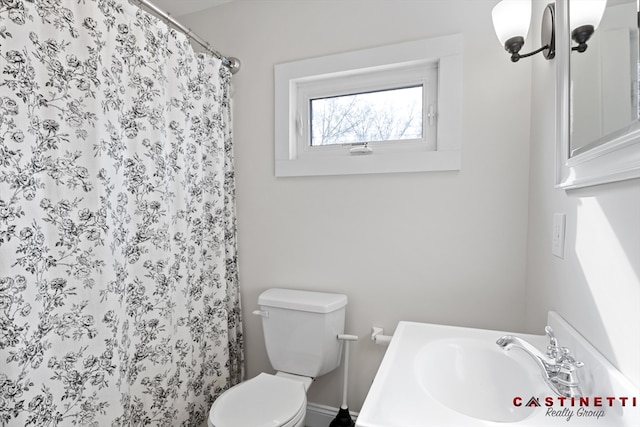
point(370, 163)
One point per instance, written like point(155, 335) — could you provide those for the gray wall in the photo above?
point(443, 247)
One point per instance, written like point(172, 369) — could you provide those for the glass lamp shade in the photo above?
point(586, 12)
point(511, 18)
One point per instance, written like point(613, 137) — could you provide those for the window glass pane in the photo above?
point(387, 115)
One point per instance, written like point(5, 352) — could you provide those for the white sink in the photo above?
point(447, 375)
point(452, 370)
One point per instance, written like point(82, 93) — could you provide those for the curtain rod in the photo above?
point(230, 62)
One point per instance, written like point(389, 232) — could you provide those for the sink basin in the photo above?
point(453, 370)
point(453, 376)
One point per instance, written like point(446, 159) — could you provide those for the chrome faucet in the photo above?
point(558, 367)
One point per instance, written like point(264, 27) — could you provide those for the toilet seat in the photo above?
point(263, 401)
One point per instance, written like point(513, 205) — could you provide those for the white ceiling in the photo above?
point(184, 7)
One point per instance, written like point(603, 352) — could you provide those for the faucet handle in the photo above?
point(553, 341)
point(564, 358)
point(553, 350)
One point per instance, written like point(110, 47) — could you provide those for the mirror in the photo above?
point(604, 78)
point(598, 131)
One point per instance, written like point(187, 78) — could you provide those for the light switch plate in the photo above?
point(559, 225)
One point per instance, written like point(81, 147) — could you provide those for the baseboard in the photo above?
point(322, 415)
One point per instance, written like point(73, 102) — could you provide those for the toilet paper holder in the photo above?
point(377, 336)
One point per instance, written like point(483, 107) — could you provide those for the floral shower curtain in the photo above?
point(119, 300)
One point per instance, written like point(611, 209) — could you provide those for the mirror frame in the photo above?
point(616, 157)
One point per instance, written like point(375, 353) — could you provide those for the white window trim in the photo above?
point(445, 51)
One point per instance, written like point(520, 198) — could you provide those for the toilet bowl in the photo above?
point(264, 401)
point(301, 331)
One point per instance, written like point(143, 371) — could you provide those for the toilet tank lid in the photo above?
point(293, 299)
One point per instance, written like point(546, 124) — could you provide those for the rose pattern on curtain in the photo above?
point(119, 298)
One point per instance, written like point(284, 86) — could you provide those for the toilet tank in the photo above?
point(301, 329)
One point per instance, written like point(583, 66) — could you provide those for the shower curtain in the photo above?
point(119, 299)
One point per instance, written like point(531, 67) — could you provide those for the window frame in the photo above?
point(370, 69)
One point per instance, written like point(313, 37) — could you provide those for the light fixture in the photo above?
point(511, 19)
point(584, 18)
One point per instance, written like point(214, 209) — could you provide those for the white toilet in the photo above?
point(300, 333)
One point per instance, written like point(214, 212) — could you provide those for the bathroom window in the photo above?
point(386, 115)
point(390, 109)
